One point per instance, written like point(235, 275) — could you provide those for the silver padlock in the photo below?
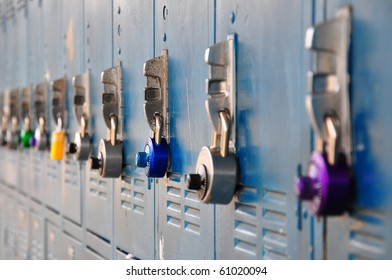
point(109, 161)
point(110, 155)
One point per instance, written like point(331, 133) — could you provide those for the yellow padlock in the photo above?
point(57, 145)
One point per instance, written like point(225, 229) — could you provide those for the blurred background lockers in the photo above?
point(63, 210)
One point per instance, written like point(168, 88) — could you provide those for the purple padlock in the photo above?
point(326, 187)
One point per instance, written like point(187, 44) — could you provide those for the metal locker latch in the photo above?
point(81, 146)
point(216, 168)
point(41, 140)
point(26, 134)
point(110, 155)
point(327, 184)
point(13, 133)
point(155, 157)
point(59, 115)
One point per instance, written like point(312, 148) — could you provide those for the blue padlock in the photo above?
point(154, 159)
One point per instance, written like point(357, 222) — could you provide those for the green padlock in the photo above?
point(25, 137)
point(26, 134)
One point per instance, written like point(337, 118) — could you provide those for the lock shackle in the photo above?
point(113, 129)
point(220, 139)
point(15, 123)
point(333, 132)
point(83, 125)
point(59, 126)
point(27, 123)
point(158, 128)
point(41, 124)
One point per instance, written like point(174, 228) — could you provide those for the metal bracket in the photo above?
point(328, 104)
point(26, 104)
point(14, 103)
point(40, 104)
point(112, 100)
point(156, 95)
point(81, 101)
point(221, 88)
point(59, 111)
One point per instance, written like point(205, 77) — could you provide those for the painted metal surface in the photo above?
point(98, 192)
point(366, 232)
point(264, 220)
point(52, 209)
point(184, 222)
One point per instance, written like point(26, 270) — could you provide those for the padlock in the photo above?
point(26, 134)
point(154, 158)
point(110, 155)
point(57, 145)
point(25, 137)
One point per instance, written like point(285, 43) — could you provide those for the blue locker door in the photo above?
point(35, 44)
point(99, 56)
point(186, 226)
point(2, 46)
point(53, 57)
point(134, 197)
point(365, 233)
point(265, 220)
point(73, 52)
point(35, 68)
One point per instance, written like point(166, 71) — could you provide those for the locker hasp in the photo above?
point(109, 161)
point(81, 145)
point(155, 157)
point(11, 115)
point(41, 140)
point(26, 133)
point(326, 188)
point(216, 174)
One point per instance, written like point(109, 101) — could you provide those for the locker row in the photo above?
point(327, 185)
point(195, 130)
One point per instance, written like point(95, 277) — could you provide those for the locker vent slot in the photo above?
point(132, 193)
point(182, 206)
point(245, 228)
point(366, 239)
point(36, 250)
point(36, 246)
point(274, 197)
point(98, 187)
point(36, 169)
point(52, 171)
point(23, 244)
point(274, 224)
point(71, 174)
